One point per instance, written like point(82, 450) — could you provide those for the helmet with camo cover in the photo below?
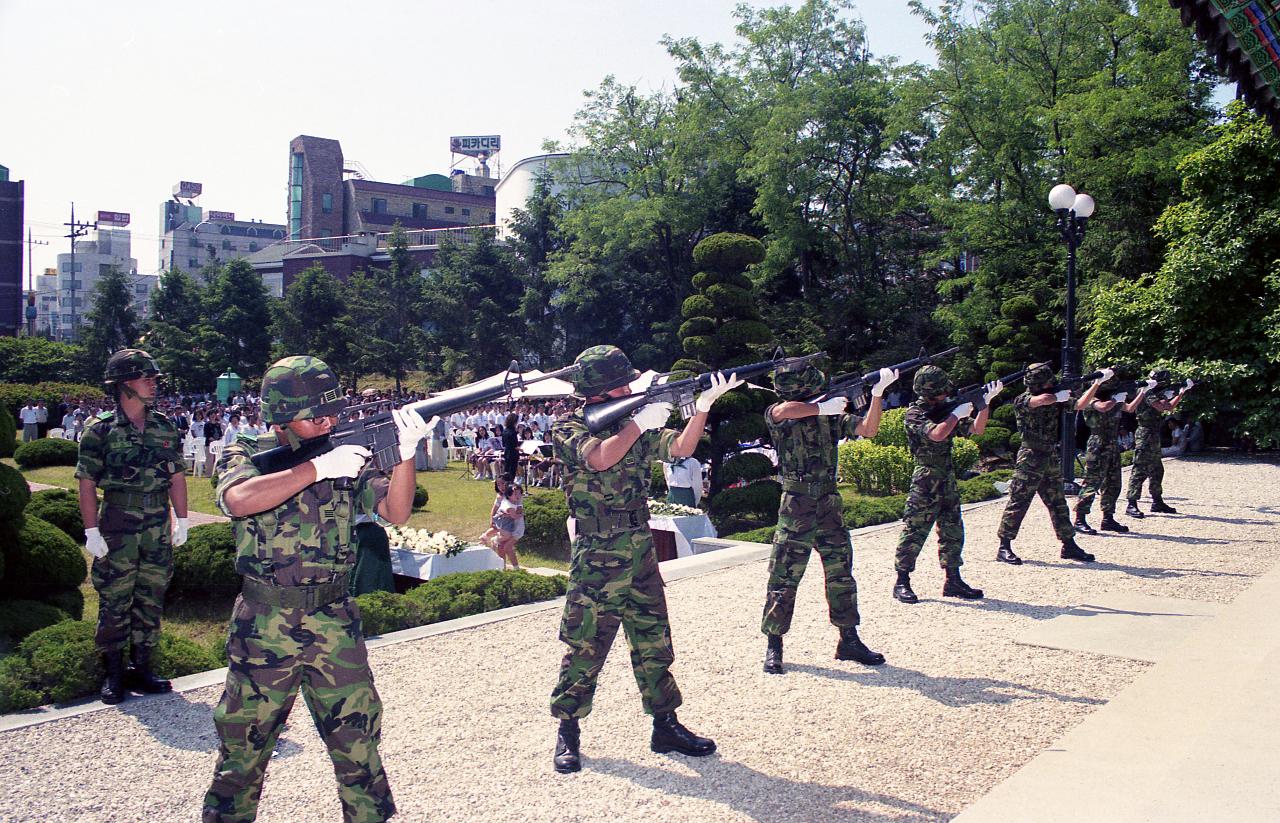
point(799, 381)
point(129, 364)
point(300, 388)
point(1038, 374)
point(1161, 376)
point(931, 381)
point(602, 369)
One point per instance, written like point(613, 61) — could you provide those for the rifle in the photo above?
point(846, 385)
point(969, 394)
point(378, 432)
point(603, 415)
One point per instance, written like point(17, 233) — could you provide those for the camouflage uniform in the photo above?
point(933, 496)
point(1148, 464)
point(132, 469)
point(1101, 461)
point(294, 627)
point(1037, 468)
point(810, 513)
point(613, 571)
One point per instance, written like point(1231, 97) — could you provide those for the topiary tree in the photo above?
point(206, 566)
point(47, 451)
point(15, 494)
point(59, 507)
point(19, 618)
point(40, 560)
point(8, 433)
point(722, 328)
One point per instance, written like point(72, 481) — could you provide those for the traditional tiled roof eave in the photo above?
point(1243, 36)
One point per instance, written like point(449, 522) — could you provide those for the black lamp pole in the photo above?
point(1072, 228)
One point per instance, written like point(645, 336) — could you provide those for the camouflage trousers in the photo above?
point(806, 523)
point(1101, 476)
point(932, 498)
point(615, 580)
point(1036, 472)
point(1148, 464)
point(133, 576)
point(273, 652)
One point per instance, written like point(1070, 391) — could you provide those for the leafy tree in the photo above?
point(172, 335)
point(112, 323)
point(312, 319)
point(535, 236)
point(236, 329)
point(35, 360)
point(387, 307)
point(1212, 310)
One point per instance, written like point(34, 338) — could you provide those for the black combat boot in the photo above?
point(567, 758)
point(902, 589)
point(670, 735)
point(113, 690)
point(1070, 551)
point(773, 655)
point(1110, 524)
point(1158, 506)
point(851, 647)
point(955, 587)
point(1082, 524)
point(1006, 555)
point(1133, 511)
point(140, 677)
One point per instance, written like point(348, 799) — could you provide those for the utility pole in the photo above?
point(31, 285)
point(76, 230)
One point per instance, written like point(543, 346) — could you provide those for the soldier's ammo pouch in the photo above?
point(629, 518)
point(810, 488)
point(295, 597)
point(135, 500)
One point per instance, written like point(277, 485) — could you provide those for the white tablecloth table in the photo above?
point(427, 566)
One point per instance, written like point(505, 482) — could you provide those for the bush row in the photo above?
point(47, 451)
point(453, 596)
point(8, 433)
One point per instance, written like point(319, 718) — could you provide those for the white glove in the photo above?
point(1190, 383)
point(653, 416)
point(344, 461)
point(1107, 374)
point(887, 377)
point(990, 390)
point(719, 385)
point(411, 428)
point(1120, 397)
point(1063, 396)
point(833, 405)
point(1151, 384)
point(179, 534)
point(94, 542)
point(962, 411)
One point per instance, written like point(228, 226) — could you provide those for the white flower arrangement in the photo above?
point(421, 540)
point(661, 508)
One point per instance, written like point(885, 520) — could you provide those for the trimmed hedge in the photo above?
point(728, 251)
point(70, 601)
point(59, 507)
point(206, 566)
point(15, 494)
point(875, 469)
point(13, 396)
point(756, 502)
point(745, 467)
point(453, 596)
point(704, 280)
point(993, 441)
point(764, 534)
point(178, 656)
point(1004, 416)
point(872, 511)
point(657, 484)
point(697, 305)
point(19, 618)
point(893, 429)
point(8, 433)
point(545, 513)
point(47, 451)
point(695, 326)
point(1126, 458)
point(41, 558)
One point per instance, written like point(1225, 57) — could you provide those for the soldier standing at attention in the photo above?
point(933, 496)
point(613, 573)
point(134, 455)
point(1148, 463)
point(806, 436)
point(294, 625)
point(1102, 457)
point(1037, 468)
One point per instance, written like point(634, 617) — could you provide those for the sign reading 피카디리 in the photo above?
point(476, 145)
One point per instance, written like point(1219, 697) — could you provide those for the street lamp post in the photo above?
point(1074, 211)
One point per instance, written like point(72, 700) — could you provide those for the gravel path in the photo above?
point(467, 735)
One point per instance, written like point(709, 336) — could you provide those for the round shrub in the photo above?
point(871, 511)
point(1004, 417)
point(42, 558)
point(875, 469)
point(697, 305)
point(177, 657)
point(757, 501)
point(734, 403)
point(727, 299)
point(728, 251)
point(19, 618)
point(995, 440)
point(382, 612)
point(420, 496)
point(206, 566)
point(704, 280)
point(1020, 308)
point(545, 513)
point(964, 454)
point(70, 601)
point(64, 660)
point(18, 689)
point(696, 326)
point(47, 451)
point(702, 347)
point(8, 433)
point(764, 534)
point(1126, 458)
point(686, 367)
point(893, 429)
point(59, 507)
point(15, 494)
point(746, 467)
point(745, 333)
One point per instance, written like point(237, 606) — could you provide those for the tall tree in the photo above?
point(312, 319)
point(535, 235)
point(112, 323)
point(236, 329)
point(171, 336)
point(387, 306)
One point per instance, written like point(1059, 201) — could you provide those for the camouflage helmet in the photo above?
point(931, 381)
point(1161, 376)
point(602, 369)
point(129, 364)
point(300, 388)
point(1037, 375)
point(799, 381)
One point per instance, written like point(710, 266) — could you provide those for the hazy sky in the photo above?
point(110, 104)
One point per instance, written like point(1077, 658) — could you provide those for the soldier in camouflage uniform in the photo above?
point(933, 496)
point(1148, 462)
point(1102, 457)
point(1037, 469)
point(134, 456)
point(805, 435)
point(294, 626)
point(613, 573)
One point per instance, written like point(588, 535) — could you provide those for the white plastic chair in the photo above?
point(215, 450)
point(192, 456)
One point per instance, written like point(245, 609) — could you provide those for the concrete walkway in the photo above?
point(961, 707)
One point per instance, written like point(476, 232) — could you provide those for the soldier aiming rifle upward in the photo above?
point(1148, 462)
point(1102, 454)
